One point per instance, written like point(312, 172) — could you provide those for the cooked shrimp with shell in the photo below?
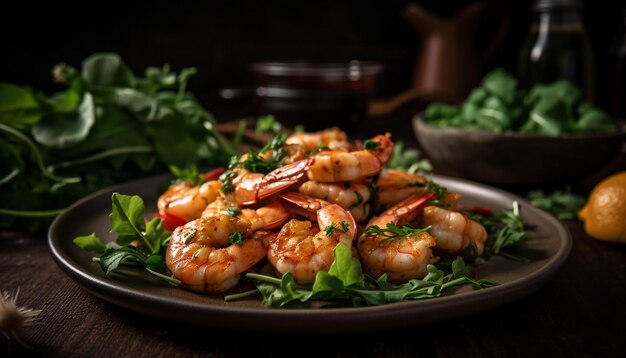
point(289, 205)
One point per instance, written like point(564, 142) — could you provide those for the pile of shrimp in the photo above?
point(326, 192)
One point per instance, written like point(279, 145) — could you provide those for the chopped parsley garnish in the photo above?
point(232, 211)
point(237, 238)
point(189, 174)
point(317, 150)
point(511, 229)
point(190, 236)
point(370, 145)
point(408, 160)
point(438, 190)
point(254, 162)
point(267, 124)
point(392, 232)
point(359, 201)
point(227, 181)
point(342, 226)
point(561, 203)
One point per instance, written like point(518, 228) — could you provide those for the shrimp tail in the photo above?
point(303, 205)
point(274, 215)
point(258, 187)
point(405, 211)
point(385, 149)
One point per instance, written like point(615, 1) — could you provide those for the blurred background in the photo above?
point(223, 38)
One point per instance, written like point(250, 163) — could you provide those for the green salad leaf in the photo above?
point(108, 126)
point(561, 203)
point(346, 282)
point(137, 242)
point(498, 105)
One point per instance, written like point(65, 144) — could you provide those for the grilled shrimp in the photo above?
point(351, 196)
point(186, 201)
point(266, 217)
point(339, 166)
point(333, 138)
point(454, 231)
point(250, 188)
point(303, 249)
point(396, 185)
point(201, 256)
point(401, 258)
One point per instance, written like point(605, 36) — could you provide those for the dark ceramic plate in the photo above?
point(546, 247)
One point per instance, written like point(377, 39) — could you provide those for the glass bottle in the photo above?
point(557, 47)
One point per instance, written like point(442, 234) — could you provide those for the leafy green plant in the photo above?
point(107, 127)
point(346, 282)
point(408, 160)
point(561, 203)
point(137, 242)
point(498, 105)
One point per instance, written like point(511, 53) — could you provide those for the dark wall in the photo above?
point(222, 38)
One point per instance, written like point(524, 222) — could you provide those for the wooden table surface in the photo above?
point(581, 312)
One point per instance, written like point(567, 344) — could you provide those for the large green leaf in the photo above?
point(18, 106)
point(12, 164)
point(64, 130)
point(127, 219)
point(108, 70)
point(502, 84)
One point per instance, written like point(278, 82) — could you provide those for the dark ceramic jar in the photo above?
point(316, 95)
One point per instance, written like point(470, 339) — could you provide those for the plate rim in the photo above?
point(446, 307)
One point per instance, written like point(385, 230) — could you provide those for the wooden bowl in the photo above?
point(517, 159)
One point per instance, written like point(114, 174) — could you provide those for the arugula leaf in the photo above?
point(157, 235)
point(189, 174)
point(408, 160)
point(112, 258)
point(127, 219)
point(561, 203)
point(345, 267)
point(267, 124)
point(345, 282)
point(90, 243)
point(512, 230)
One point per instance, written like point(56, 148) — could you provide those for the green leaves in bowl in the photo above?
point(498, 105)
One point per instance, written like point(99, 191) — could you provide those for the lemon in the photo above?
point(604, 214)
